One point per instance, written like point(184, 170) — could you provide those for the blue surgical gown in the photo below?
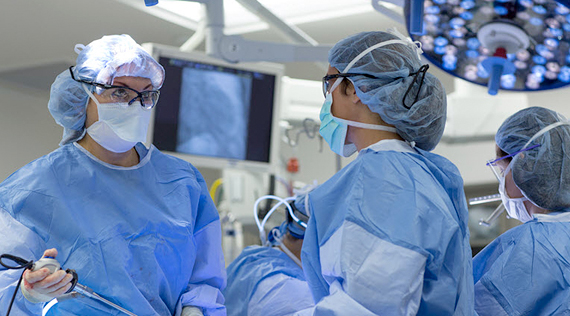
point(145, 237)
point(526, 270)
point(388, 236)
point(264, 281)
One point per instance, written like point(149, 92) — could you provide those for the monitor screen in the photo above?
point(211, 109)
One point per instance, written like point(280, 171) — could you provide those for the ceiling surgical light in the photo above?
point(514, 45)
point(150, 3)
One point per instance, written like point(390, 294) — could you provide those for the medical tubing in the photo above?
point(214, 188)
point(23, 264)
point(261, 226)
point(282, 201)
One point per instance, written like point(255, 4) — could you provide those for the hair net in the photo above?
point(100, 61)
point(392, 65)
point(542, 173)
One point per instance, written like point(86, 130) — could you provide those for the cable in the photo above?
point(23, 264)
point(261, 226)
point(214, 188)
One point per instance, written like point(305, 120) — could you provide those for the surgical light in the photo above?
point(516, 45)
point(150, 3)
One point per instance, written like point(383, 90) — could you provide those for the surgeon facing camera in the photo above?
point(138, 226)
point(526, 270)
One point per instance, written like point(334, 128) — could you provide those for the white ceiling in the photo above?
point(38, 36)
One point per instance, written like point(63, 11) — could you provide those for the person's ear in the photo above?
point(351, 92)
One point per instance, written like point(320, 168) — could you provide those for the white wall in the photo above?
point(27, 129)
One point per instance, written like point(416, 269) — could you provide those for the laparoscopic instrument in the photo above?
point(53, 265)
point(487, 199)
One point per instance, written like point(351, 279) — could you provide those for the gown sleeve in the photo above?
point(209, 275)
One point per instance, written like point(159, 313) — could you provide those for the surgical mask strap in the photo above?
point(373, 47)
point(365, 125)
point(91, 95)
point(544, 130)
point(288, 252)
point(415, 45)
point(78, 48)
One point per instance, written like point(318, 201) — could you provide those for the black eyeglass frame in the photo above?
point(326, 85)
point(139, 96)
point(421, 72)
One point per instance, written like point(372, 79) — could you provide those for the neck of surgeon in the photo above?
point(363, 138)
point(293, 244)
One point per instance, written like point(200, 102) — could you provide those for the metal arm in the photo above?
point(235, 48)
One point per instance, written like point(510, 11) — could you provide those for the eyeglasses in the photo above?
point(498, 171)
point(327, 78)
point(121, 94)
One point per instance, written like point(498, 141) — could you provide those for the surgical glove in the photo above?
point(42, 285)
point(192, 311)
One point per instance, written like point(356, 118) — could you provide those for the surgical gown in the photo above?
point(526, 270)
point(264, 281)
point(145, 237)
point(388, 236)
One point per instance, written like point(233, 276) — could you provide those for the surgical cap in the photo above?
point(542, 173)
point(100, 61)
point(392, 65)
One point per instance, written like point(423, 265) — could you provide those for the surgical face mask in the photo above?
point(515, 206)
point(334, 129)
point(120, 125)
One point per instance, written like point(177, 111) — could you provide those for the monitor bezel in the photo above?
point(158, 50)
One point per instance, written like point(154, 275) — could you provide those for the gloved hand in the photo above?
point(191, 311)
point(42, 285)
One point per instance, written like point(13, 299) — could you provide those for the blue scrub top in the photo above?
point(526, 270)
point(388, 236)
point(265, 281)
point(145, 237)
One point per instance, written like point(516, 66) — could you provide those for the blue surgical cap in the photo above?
point(543, 173)
point(100, 61)
point(393, 66)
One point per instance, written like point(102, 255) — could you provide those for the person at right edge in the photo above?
point(388, 233)
point(526, 270)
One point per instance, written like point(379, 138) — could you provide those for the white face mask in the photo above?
point(120, 125)
point(515, 206)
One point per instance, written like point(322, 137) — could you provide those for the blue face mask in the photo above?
point(334, 129)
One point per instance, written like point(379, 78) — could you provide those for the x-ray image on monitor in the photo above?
point(214, 113)
point(215, 110)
